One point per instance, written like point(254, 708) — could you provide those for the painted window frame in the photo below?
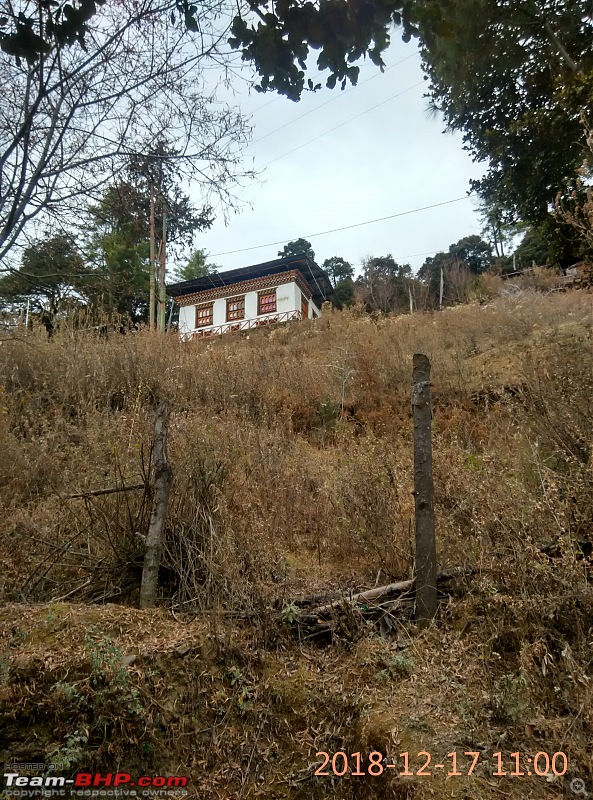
point(267, 293)
point(238, 313)
point(204, 307)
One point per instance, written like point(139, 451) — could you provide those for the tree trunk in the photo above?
point(426, 577)
point(162, 485)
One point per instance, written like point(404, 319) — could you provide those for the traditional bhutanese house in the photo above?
point(277, 291)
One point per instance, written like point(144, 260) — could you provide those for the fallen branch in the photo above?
point(400, 588)
point(371, 594)
point(74, 591)
point(113, 490)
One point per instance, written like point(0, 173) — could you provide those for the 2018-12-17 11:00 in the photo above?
point(515, 765)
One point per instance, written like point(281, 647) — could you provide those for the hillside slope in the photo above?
point(292, 461)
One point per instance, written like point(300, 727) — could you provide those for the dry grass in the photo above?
point(292, 459)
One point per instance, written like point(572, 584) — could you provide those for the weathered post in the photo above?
point(162, 295)
point(162, 485)
point(152, 295)
point(426, 572)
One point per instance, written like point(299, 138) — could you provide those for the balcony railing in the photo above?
point(245, 324)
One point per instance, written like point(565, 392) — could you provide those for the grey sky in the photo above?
point(387, 156)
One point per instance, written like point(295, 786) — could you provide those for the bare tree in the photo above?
point(577, 210)
point(385, 284)
point(71, 120)
point(458, 281)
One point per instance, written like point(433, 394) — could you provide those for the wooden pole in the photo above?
point(162, 297)
point(426, 574)
point(162, 485)
point(151, 300)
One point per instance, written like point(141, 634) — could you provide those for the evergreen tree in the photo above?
point(197, 266)
point(341, 274)
point(52, 276)
point(297, 247)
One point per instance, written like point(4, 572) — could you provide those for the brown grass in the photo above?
point(292, 459)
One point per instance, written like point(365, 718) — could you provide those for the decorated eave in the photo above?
point(256, 284)
point(310, 278)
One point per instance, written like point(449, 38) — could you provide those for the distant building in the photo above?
point(277, 291)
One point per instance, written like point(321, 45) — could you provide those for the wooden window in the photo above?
point(204, 315)
point(235, 308)
point(304, 307)
point(266, 302)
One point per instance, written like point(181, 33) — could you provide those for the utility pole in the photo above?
point(162, 296)
point(152, 298)
point(442, 286)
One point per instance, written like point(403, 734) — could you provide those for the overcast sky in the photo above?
point(346, 157)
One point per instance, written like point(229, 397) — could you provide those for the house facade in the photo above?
point(276, 291)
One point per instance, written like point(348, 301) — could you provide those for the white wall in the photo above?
point(288, 298)
point(219, 311)
point(187, 319)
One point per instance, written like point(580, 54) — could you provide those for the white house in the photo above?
point(277, 291)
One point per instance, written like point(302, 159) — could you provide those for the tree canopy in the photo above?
point(52, 272)
point(196, 266)
point(513, 77)
point(338, 269)
point(341, 274)
point(385, 285)
point(73, 117)
point(470, 256)
point(297, 247)
point(276, 42)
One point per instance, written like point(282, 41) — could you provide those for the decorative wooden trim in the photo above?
point(203, 307)
point(267, 293)
point(235, 299)
point(253, 285)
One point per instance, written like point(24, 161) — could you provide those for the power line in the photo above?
point(320, 73)
point(401, 258)
point(331, 130)
point(331, 100)
point(346, 227)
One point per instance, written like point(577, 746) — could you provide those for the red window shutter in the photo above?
point(304, 307)
point(204, 315)
point(266, 302)
point(235, 308)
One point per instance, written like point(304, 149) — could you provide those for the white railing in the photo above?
point(246, 324)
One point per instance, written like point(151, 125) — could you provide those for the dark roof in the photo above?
point(316, 277)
